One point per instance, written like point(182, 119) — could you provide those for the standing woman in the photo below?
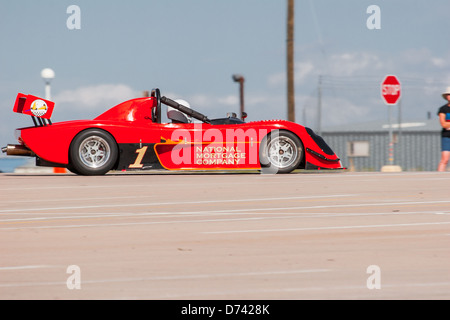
point(444, 120)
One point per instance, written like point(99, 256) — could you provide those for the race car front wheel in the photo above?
point(280, 152)
point(93, 152)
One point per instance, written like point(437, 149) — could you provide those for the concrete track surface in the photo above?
point(327, 235)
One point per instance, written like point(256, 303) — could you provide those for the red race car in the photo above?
point(133, 136)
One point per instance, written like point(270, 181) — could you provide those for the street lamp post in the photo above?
point(47, 74)
point(240, 79)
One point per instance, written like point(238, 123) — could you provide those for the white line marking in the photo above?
point(137, 223)
point(207, 220)
point(149, 185)
point(278, 209)
point(331, 228)
point(343, 291)
point(279, 215)
point(24, 267)
point(173, 203)
point(75, 199)
point(174, 277)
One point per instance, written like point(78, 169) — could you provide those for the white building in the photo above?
point(366, 146)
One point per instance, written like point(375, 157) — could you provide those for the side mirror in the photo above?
point(244, 115)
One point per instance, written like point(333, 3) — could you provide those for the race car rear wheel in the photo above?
point(280, 152)
point(93, 152)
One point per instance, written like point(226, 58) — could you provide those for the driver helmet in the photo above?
point(176, 115)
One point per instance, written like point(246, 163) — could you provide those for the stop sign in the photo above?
point(390, 89)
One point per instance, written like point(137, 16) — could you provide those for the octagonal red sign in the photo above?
point(390, 89)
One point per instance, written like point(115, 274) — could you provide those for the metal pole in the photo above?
point(399, 119)
point(241, 89)
point(391, 142)
point(47, 91)
point(399, 130)
point(290, 61)
point(241, 80)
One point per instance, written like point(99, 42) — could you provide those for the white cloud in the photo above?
point(206, 101)
point(343, 65)
point(303, 71)
point(439, 62)
point(276, 79)
point(96, 96)
point(209, 104)
point(424, 57)
point(416, 56)
point(230, 100)
point(349, 64)
point(334, 111)
point(199, 100)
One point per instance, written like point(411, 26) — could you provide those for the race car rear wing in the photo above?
point(39, 109)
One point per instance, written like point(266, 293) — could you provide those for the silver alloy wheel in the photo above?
point(282, 151)
point(94, 151)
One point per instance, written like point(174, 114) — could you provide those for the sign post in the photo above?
point(390, 92)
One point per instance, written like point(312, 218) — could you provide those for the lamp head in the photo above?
point(47, 74)
point(238, 78)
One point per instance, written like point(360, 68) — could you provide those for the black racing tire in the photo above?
point(280, 152)
point(72, 169)
point(93, 152)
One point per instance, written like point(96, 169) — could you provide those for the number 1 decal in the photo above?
point(141, 153)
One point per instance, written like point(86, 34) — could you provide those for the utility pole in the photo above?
point(319, 107)
point(290, 61)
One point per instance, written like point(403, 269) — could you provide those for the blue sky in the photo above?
point(190, 49)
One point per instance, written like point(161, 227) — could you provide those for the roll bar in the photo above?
point(194, 114)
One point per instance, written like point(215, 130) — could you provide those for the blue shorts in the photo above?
point(445, 144)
